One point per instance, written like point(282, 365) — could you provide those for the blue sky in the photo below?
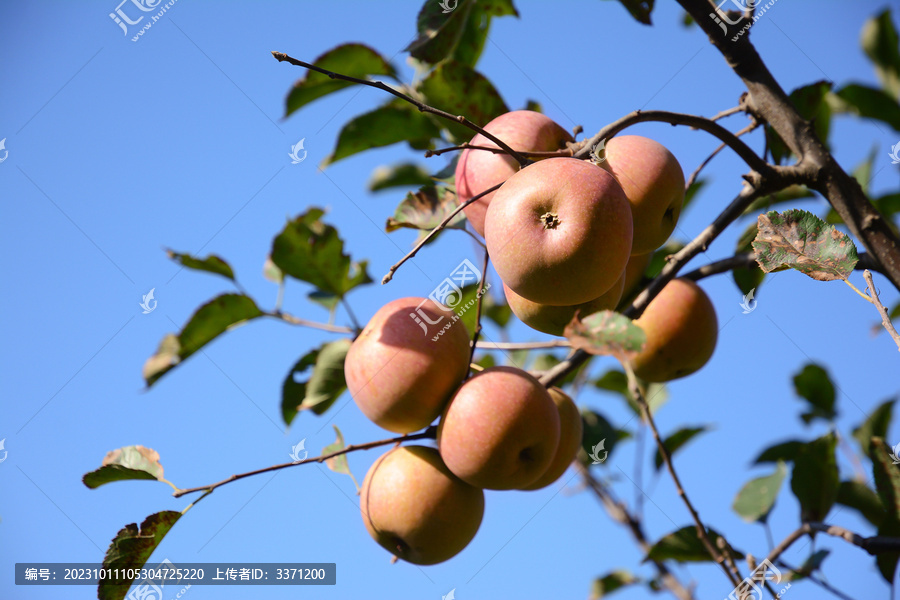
point(119, 149)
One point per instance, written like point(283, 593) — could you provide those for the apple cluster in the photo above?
point(567, 236)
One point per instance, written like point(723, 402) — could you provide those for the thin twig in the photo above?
point(467, 146)
point(434, 232)
point(638, 395)
point(882, 310)
point(481, 289)
point(823, 584)
point(427, 434)
point(619, 512)
point(351, 315)
point(690, 181)
point(727, 112)
point(282, 57)
point(304, 323)
point(524, 345)
point(873, 545)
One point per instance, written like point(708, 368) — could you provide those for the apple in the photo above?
point(397, 375)
point(553, 319)
point(479, 170)
point(634, 275)
point(559, 232)
point(682, 330)
point(415, 508)
point(571, 429)
point(654, 183)
point(500, 430)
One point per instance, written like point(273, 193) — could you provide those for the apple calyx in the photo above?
point(550, 220)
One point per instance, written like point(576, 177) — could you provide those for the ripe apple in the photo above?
point(479, 170)
point(634, 274)
point(397, 375)
point(500, 430)
point(559, 232)
point(553, 319)
point(414, 507)
point(682, 330)
point(571, 429)
point(654, 183)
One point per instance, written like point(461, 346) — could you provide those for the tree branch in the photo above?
point(281, 316)
point(748, 259)
point(873, 545)
point(427, 434)
point(885, 317)
point(768, 102)
point(282, 57)
point(467, 146)
point(524, 345)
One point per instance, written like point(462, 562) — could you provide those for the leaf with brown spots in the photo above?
point(130, 462)
point(800, 240)
point(606, 333)
point(424, 210)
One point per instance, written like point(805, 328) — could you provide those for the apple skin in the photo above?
point(571, 430)
point(416, 509)
point(398, 376)
point(682, 330)
point(479, 170)
point(553, 319)
point(654, 184)
point(559, 232)
point(500, 431)
point(634, 275)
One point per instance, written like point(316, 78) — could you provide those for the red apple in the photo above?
point(559, 232)
point(479, 170)
point(571, 431)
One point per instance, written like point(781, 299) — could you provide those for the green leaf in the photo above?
point(861, 498)
point(325, 384)
point(498, 312)
point(606, 333)
point(338, 464)
point(880, 42)
point(211, 320)
point(389, 124)
point(676, 441)
point(747, 279)
point(757, 497)
point(609, 583)
point(814, 385)
point(875, 425)
point(402, 175)
point(691, 193)
point(784, 451)
point(599, 436)
point(311, 251)
point(810, 102)
point(868, 103)
point(800, 240)
point(639, 9)
point(131, 548)
point(271, 272)
point(887, 484)
point(685, 546)
point(616, 382)
point(128, 462)
point(809, 566)
point(210, 264)
point(424, 210)
point(354, 60)
point(326, 300)
point(460, 90)
point(814, 479)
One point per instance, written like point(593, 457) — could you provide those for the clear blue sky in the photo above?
point(118, 149)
